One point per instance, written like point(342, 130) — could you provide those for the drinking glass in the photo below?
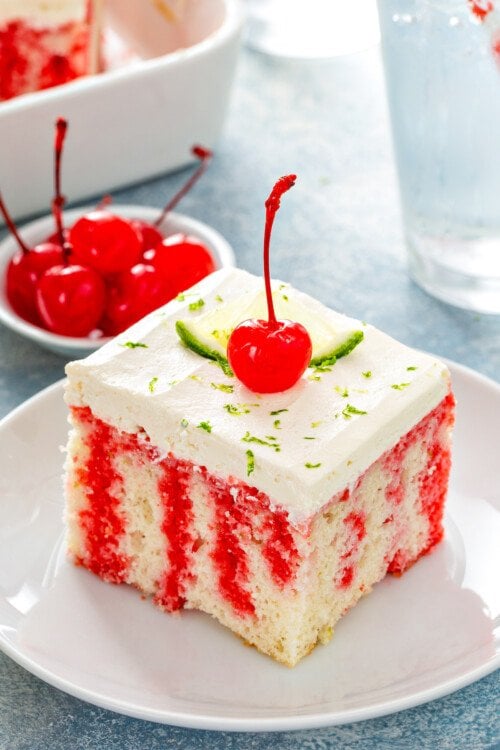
point(442, 65)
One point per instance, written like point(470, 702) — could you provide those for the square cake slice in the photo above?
point(45, 43)
point(274, 513)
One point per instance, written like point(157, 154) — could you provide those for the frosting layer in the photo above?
point(301, 446)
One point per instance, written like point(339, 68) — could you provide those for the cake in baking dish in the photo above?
point(275, 513)
point(44, 43)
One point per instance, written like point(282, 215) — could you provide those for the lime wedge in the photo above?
point(208, 334)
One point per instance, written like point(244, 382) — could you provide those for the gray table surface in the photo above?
point(339, 237)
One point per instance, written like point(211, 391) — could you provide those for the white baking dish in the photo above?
point(130, 123)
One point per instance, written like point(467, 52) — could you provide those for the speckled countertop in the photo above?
point(338, 237)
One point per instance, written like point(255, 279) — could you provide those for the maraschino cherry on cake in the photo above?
point(45, 43)
point(272, 505)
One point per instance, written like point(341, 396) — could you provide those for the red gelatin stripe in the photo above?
point(433, 480)
point(101, 521)
point(177, 527)
point(228, 554)
point(243, 513)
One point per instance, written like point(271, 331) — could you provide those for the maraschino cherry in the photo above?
point(105, 242)
point(28, 264)
point(182, 260)
point(25, 268)
point(270, 355)
point(69, 297)
point(134, 293)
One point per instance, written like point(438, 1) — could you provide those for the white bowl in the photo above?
point(36, 231)
point(130, 123)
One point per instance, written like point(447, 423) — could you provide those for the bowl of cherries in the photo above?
point(76, 278)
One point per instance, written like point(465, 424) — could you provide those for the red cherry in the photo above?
point(182, 261)
point(151, 236)
point(270, 355)
point(135, 293)
point(105, 242)
point(22, 274)
point(70, 299)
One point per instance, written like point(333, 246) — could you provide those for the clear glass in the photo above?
point(443, 84)
point(311, 28)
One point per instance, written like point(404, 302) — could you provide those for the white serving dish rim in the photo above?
point(230, 25)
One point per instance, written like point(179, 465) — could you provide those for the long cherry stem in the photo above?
point(59, 200)
point(205, 156)
point(272, 205)
point(12, 227)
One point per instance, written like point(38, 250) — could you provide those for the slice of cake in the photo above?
point(274, 513)
point(44, 43)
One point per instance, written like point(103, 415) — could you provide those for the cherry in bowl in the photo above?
point(37, 231)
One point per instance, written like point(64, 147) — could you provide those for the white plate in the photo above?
point(415, 638)
point(39, 230)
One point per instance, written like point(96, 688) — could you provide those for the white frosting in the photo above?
point(115, 383)
point(43, 12)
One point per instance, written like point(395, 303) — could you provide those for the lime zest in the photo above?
point(250, 462)
point(134, 345)
point(196, 305)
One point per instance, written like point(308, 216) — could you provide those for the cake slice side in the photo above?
point(194, 540)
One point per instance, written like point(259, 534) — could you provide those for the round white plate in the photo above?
point(415, 638)
point(39, 230)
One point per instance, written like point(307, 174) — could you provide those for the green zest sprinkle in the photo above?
point(312, 466)
point(237, 409)
point(152, 384)
point(173, 382)
point(399, 386)
point(325, 367)
point(367, 374)
point(308, 437)
point(205, 426)
point(197, 378)
point(278, 411)
point(218, 298)
point(180, 297)
point(350, 410)
point(134, 345)
point(223, 387)
point(277, 424)
point(270, 442)
point(196, 305)
point(250, 462)
point(285, 297)
point(184, 423)
point(313, 377)
point(342, 391)
point(315, 424)
point(411, 368)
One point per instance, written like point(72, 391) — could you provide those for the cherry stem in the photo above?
point(205, 157)
point(59, 200)
point(272, 205)
point(12, 227)
point(105, 201)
